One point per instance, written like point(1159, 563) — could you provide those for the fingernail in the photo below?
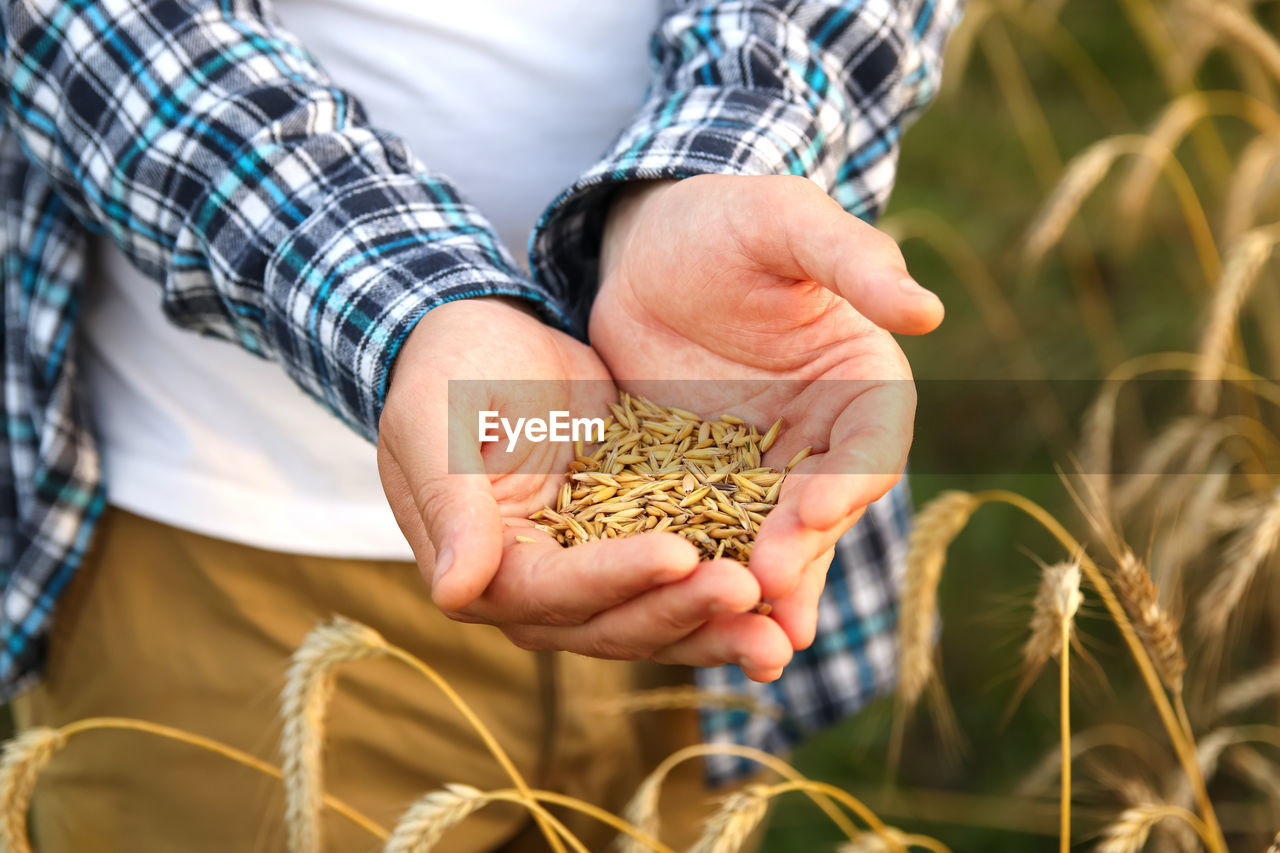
point(444, 562)
point(745, 663)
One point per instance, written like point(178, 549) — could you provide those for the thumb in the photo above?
point(454, 499)
point(814, 239)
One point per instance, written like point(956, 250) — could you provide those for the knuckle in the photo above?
point(607, 649)
point(670, 622)
point(524, 639)
point(536, 612)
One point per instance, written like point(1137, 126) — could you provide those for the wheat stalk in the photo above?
point(431, 816)
point(1245, 262)
point(309, 684)
point(1064, 592)
point(732, 824)
point(1179, 117)
point(1256, 161)
point(1173, 723)
point(1242, 28)
point(24, 757)
point(1244, 554)
point(641, 811)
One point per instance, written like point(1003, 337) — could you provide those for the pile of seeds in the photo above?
point(663, 468)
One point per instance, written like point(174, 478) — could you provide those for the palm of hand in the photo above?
point(721, 288)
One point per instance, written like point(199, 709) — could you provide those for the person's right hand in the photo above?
point(462, 504)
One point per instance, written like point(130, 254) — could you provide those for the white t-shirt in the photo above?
point(511, 100)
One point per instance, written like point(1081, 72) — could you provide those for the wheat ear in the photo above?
point(1244, 554)
point(1081, 176)
point(1130, 831)
point(732, 824)
point(422, 826)
point(308, 687)
point(1154, 624)
point(1244, 265)
point(24, 757)
point(936, 525)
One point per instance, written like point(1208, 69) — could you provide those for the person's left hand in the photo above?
point(767, 284)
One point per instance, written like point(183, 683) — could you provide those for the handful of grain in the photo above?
point(662, 468)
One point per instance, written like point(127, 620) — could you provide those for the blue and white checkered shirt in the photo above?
point(229, 168)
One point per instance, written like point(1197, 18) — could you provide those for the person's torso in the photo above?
point(510, 100)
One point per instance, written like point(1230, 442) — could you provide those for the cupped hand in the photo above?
point(463, 505)
point(767, 286)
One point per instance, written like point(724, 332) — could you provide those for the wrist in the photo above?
point(624, 213)
point(464, 321)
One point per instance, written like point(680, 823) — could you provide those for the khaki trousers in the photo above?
point(189, 631)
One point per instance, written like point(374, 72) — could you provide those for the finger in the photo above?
point(797, 613)
point(785, 546)
point(638, 628)
point(815, 239)
point(868, 452)
point(458, 511)
point(541, 583)
point(754, 642)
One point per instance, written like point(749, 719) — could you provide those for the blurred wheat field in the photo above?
point(1096, 196)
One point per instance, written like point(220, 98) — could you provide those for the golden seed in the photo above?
point(652, 472)
point(799, 457)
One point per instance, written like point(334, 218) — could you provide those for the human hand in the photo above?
point(767, 284)
point(461, 505)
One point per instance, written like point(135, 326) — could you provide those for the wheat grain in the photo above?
point(431, 816)
point(24, 757)
point(936, 525)
point(664, 468)
point(732, 824)
point(308, 686)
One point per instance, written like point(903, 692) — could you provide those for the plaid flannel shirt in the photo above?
point(228, 167)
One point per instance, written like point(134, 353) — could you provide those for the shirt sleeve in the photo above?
point(822, 89)
point(217, 154)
